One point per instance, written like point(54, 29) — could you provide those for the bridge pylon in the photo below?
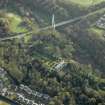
point(53, 22)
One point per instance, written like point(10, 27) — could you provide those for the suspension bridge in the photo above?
point(53, 26)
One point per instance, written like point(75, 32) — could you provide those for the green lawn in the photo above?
point(15, 21)
point(3, 103)
point(97, 31)
point(86, 2)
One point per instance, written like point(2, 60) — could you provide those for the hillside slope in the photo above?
point(64, 66)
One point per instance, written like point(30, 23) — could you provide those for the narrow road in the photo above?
point(56, 25)
point(11, 102)
point(18, 36)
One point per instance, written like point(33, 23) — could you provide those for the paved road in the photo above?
point(18, 36)
point(56, 25)
point(11, 102)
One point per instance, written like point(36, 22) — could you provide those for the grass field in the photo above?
point(15, 21)
point(97, 31)
point(86, 2)
point(3, 103)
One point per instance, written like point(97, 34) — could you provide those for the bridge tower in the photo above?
point(53, 21)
